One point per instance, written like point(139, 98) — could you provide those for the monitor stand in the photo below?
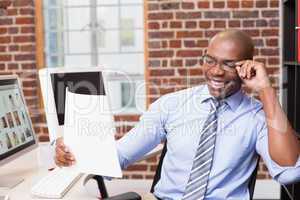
point(10, 181)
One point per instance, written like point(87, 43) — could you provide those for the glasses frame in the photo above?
point(222, 63)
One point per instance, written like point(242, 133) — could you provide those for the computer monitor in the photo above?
point(16, 132)
point(54, 81)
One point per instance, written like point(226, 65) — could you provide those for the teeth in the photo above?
point(217, 84)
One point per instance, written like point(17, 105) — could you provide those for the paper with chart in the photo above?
point(89, 133)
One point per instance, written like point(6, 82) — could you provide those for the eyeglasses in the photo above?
point(227, 65)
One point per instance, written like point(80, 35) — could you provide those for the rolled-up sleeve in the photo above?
point(145, 136)
point(283, 175)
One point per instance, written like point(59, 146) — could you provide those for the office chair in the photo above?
point(135, 196)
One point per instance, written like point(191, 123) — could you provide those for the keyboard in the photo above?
point(56, 183)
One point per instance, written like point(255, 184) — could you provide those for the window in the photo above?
point(106, 33)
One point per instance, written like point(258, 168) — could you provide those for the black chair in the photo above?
point(135, 196)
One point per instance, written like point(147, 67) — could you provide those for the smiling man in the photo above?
point(214, 132)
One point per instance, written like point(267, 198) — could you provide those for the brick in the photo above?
point(270, 32)
point(272, 42)
point(137, 176)
point(270, 13)
point(190, 24)
point(203, 4)
point(261, 23)
point(220, 24)
point(258, 42)
point(3, 30)
point(175, 44)
point(161, 72)
point(2, 67)
point(160, 16)
point(188, 5)
point(269, 51)
point(204, 24)
point(261, 3)
point(170, 6)
point(4, 4)
point(13, 30)
point(12, 12)
point(247, 4)
point(153, 25)
point(189, 34)
point(23, 57)
point(190, 72)
point(164, 25)
point(273, 61)
point(153, 6)
point(245, 14)
point(248, 23)
point(274, 3)
point(5, 39)
point(12, 66)
point(192, 63)
point(137, 167)
point(22, 3)
point(24, 20)
point(26, 48)
point(27, 29)
point(193, 43)
point(23, 39)
point(234, 23)
point(188, 15)
point(27, 11)
point(189, 53)
point(44, 138)
point(13, 47)
point(274, 23)
point(176, 63)
point(3, 49)
point(176, 24)
point(161, 34)
point(252, 32)
point(6, 21)
point(218, 4)
point(233, 4)
point(161, 54)
point(5, 57)
point(154, 44)
point(216, 14)
point(28, 66)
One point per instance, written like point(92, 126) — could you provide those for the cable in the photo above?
point(288, 192)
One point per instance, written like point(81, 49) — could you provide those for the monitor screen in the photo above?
point(90, 83)
point(16, 131)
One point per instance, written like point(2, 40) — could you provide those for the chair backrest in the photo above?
point(251, 184)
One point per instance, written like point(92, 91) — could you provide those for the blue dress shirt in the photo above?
point(178, 117)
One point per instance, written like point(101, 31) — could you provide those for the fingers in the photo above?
point(63, 156)
point(246, 69)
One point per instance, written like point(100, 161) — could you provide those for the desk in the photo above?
point(32, 167)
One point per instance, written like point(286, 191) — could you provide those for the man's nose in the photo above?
point(218, 70)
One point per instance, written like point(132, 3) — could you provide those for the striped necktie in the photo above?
point(197, 183)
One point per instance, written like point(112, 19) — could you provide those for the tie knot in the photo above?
point(216, 104)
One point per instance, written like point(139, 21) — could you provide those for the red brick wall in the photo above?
point(17, 51)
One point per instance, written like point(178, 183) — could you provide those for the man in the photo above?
point(214, 132)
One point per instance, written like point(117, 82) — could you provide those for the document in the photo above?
point(89, 133)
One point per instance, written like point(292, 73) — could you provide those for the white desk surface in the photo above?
point(31, 167)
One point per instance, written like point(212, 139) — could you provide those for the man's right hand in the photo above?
point(63, 156)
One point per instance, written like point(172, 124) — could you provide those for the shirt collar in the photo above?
point(233, 100)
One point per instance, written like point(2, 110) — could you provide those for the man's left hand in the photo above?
point(253, 74)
